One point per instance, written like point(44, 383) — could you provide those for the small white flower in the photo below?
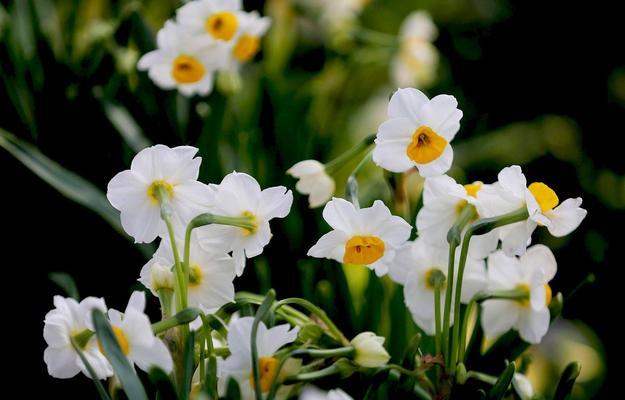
point(313, 181)
point(216, 20)
point(174, 171)
point(314, 393)
point(443, 201)
point(530, 273)
point(511, 193)
point(418, 133)
point(239, 364)
point(365, 236)
point(247, 43)
point(418, 264)
point(62, 324)
point(182, 61)
point(370, 351)
point(134, 335)
point(240, 195)
point(522, 386)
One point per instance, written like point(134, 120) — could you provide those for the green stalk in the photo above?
point(437, 318)
point(336, 333)
point(351, 188)
point(335, 164)
point(264, 308)
point(312, 376)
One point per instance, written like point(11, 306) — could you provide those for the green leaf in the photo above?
point(65, 282)
point(92, 374)
point(233, 392)
point(503, 383)
point(125, 373)
point(187, 371)
point(567, 380)
point(66, 182)
point(164, 386)
point(126, 125)
point(264, 308)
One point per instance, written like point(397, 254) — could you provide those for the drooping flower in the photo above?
point(416, 62)
point(217, 20)
point(443, 201)
point(239, 364)
point(531, 274)
point(314, 393)
point(247, 43)
point(511, 193)
point(183, 61)
point(158, 170)
point(134, 335)
point(65, 323)
point(418, 133)
point(240, 195)
point(370, 351)
point(418, 265)
point(365, 236)
point(313, 181)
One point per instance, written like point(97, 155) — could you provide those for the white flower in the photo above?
point(418, 133)
point(365, 236)
point(182, 61)
point(313, 181)
point(418, 264)
point(443, 201)
point(531, 274)
point(62, 324)
point(511, 193)
point(134, 335)
point(370, 351)
point(417, 60)
point(522, 386)
point(314, 393)
point(247, 43)
point(335, 15)
point(217, 20)
point(240, 195)
point(239, 364)
point(210, 274)
point(156, 276)
point(174, 171)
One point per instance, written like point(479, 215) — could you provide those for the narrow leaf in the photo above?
point(187, 366)
point(264, 308)
point(101, 391)
point(567, 380)
point(503, 383)
point(164, 386)
point(126, 125)
point(65, 282)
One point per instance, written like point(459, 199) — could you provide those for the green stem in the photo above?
point(351, 188)
point(335, 164)
point(346, 351)
point(336, 333)
point(287, 313)
point(182, 318)
point(480, 376)
point(437, 319)
point(264, 308)
point(311, 376)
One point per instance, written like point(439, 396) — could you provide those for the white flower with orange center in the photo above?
point(239, 364)
point(511, 193)
point(183, 61)
point(529, 274)
point(240, 195)
point(66, 322)
point(314, 181)
point(247, 42)
point(443, 201)
point(418, 133)
point(134, 335)
point(217, 20)
point(361, 236)
point(157, 173)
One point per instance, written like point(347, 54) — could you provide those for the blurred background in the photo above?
point(541, 84)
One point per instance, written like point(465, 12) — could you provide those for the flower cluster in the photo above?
point(206, 37)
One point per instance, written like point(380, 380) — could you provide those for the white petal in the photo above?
point(331, 245)
point(517, 237)
point(144, 225)
point(475, 279)
point(533, 325)
point(341, 215)
point(156, 355)
point(503, 271)
point(499, 316)
point(136, 302)
point(137, 329)
point(406, 103)
point(438, 166)
point(540, 257)
point(392, 156)
point(61, 362)
point(566, 217)
point(512, 179)
point(269, 341)
point(305, 167)
point(275, 202)
point(442, 115)
point(126, 192)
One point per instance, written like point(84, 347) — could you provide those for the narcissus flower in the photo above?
point(418, 133)
point(529, 274)
point(314, 393)
point(365, 236)
point(62, 325)
point(134, 335)
point(217, 20)
point(370, 351)
point(313, 181)
point(443, 201)
point(158, 171)
point(418, 266)
point(511, 192)
point(183, 61)
point(239, 364)
point(240, 195)
point(247, 43)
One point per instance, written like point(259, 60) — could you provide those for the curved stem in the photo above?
point(336, 333)
point(337, 163)
point(351, 188)
point(311, 376)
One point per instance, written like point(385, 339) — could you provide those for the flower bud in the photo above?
point(162, 277)
point(522, 386)
point(314, 181)
point(370, 351)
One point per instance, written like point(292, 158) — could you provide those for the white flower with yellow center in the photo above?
point(511, 193)
point(247, 42)
point(158, 171)
point(182, 61)
point(443, 201)
point(418, 133)
point(134, 335)
point(415, 64)
point(66, 322)
point(314, 181)
point(218, 20)
point(363, 236)
point(314, 393)
point(418, 266)
point(529, 274)
point(239, 364)
point(240, 195)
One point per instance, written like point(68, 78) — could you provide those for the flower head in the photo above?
point(365, 236)
point(418, 133)
point(66, 322)
point(217, 20)
point(531, 274)
point(157, 172)
point(240, 195)
point(247, 43)
point(370, 351)
point(313, 181)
